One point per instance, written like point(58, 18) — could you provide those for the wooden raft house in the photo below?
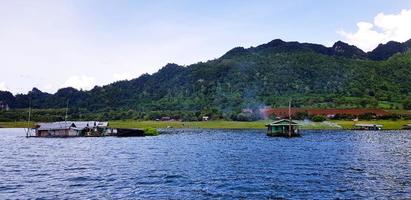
point(82, 129)
point(283, 128)
point(56, 130)
point(71, 129)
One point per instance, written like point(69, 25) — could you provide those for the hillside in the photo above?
point(267, 75)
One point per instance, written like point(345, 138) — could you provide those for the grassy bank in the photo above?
point(387, 124)
point(179, 124)
point(15, 124)
point(334, 124)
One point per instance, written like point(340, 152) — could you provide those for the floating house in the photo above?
point(56, 130)
point(71, 129)
point(368, 127)
point(283, 128)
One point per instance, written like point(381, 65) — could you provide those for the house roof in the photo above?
point(79, 125)
point(283, 122)
point(55, 126)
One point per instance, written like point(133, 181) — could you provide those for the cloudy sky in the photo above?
point(51, 44)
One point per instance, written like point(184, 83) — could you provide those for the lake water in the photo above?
point(208, 164)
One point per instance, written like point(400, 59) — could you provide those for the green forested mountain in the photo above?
point(266, 75)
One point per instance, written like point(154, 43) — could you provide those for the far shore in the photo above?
point(221, 124)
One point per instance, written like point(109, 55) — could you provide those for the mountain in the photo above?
point(348, 51)
point(339, 49)
point(385, 51)
point(267, 75)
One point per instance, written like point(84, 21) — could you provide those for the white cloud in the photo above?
point(122, 76)
point(3, 86)
point(80, 82)
point(386, 27)
point(49, 88)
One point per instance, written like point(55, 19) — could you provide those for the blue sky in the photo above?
point(82, 43)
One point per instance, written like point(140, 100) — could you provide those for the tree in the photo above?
point(318, 118)
point(407, 104)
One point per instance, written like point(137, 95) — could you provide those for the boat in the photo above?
point(368, 127)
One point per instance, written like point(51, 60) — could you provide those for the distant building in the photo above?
point(165, 119)
point(4, 106)
point(206, 118)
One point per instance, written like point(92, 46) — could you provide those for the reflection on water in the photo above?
point(208, 164)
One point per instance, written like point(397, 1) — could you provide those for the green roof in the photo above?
point(283, 122)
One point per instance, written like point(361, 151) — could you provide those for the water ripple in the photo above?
point(208, 164)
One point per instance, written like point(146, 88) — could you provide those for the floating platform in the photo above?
point(129, 132)
point(283, 128)
point(280, 134)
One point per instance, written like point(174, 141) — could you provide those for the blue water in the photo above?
point(208, 164)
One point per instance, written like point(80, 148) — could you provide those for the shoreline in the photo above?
point(235, 125)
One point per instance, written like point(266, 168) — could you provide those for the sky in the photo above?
point(50, 44)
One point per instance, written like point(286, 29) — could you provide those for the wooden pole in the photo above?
point(28, 121)
point(289, 116)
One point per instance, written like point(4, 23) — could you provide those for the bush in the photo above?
point(343, 117)
point(407, 104)
point(272, 116)
point(246, 117)
point(188, 117)
point(318, 118)
point(301, 115)
point(229, 116)
point(153, 115)
point(390, 117)
point(151, 132)
point(366, 116)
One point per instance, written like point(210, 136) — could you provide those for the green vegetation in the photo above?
point(333, 124)
point(21, 124)
point(197, 124)
point(39, 115)
point(318, 118)
point(151, 132)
